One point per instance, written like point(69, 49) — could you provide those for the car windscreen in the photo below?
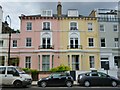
point(20, 70)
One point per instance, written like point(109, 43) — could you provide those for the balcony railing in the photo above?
point(108, 19)
point(73, 28)
point(46, 47)
point(74, 47)
point(46, 28)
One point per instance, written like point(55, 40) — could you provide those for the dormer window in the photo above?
point(73, 13)
point(46, 25)
point(46, 13)
point(73, 26)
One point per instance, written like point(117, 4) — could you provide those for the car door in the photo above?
point(62, 79)
point(2, 75)
point(9, 76)
point(94, 78)
point(54, 80)
point(104, 79)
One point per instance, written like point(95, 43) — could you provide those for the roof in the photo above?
point(56, 16)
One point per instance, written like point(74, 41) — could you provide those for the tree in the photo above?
point(61, 68)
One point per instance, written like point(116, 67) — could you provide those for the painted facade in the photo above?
point(109, 28)
point(75, 43)
point(48, 40)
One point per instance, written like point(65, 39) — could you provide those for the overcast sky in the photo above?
point(15, 8)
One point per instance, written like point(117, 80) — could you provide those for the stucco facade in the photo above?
point(109, 29)
point(48, 40)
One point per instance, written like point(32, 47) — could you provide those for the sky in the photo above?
point(14, 8)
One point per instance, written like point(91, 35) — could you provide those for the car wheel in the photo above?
point(17, 84)
point(114, 84)
point(69, 84)
point(87, 83)
point(43, 84)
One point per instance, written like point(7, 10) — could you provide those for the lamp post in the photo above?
point(9, 37)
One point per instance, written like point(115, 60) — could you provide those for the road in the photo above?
point(62, 88)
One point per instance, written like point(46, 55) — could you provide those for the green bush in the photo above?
point(27, 70)
point(61, 68)
point(32, 71)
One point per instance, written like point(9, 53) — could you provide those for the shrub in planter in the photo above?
point(61, 68)
point(34, 73)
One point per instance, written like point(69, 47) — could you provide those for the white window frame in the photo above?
point(116, 43)
point(74, 63)
point(14, 43)
point(45, 63)
point(73, 13)
point(115, 29)
point(28, 62)
point(93, 62)
point(45, 13)
point(46, 40)
point(74, 44)
point(91, 42)
point(73, 26)
point(90, 26)
point(103, 28)
point(46, 25)
point(101, 42)
point(104, 60)
point(29, 26)
point(27, 43)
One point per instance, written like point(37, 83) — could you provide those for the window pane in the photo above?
point(28, 42)
point(46, 25)
point(14, 43)
point(101, 27)
point(28, 62)
point(89, 26)
point(73, 26)
point(102, 42)
point(75, 62)
point(115, 28)
point(29, 26)
point(91, 58)
point(45, 62)
point(91, 43)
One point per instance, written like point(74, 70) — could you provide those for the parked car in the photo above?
point(97, 78)
point(12, 75)
point(56, 79)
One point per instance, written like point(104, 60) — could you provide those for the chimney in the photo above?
point(59, 9)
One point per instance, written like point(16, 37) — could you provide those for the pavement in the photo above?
point(34, 83)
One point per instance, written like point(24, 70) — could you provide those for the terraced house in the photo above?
point(48, 40)
point(109, 28)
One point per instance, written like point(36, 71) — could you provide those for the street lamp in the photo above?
point(9, 37)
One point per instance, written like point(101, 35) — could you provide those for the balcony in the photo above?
point(74, 47)
point(46, 47)
point(46, 29)
point(101, 19)
point(73, 28)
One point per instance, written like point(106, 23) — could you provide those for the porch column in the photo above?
point(111, 61)
point(70, 61)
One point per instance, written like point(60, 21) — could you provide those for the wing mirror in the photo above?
point(51, 77)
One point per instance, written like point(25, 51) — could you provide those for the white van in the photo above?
point(12, 75)
point(118, 73)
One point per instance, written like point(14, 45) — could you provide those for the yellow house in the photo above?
point(79, 42)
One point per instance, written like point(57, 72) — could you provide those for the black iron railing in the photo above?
point(46, 47)
point(74, 47)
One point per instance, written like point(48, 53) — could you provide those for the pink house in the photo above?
point(37, 44)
